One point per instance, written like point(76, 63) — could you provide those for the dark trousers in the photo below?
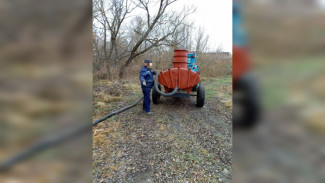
point(146, 100)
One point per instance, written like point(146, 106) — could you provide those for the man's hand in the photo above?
point(144, 83)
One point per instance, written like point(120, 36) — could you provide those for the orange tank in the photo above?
point(180, 59)
point(179, 76)
point(240, 63)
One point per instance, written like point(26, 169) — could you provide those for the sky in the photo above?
point(215, 16)
point(321, 3)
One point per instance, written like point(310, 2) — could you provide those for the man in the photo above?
point(146, 78)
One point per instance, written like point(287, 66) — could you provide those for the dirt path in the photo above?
point(178, 143)
point(287, 145)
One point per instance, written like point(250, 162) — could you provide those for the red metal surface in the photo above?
point(182, 78)
point(240, 63)
point(180, 59)
point(178, 53)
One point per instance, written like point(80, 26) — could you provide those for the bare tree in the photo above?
point(219, 48)
point(154, 28)
point(111, 15)
point(201, 41)
point(182, 37)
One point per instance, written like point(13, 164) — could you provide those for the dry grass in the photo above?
point(209, 67)
point(102, 136)
point(216, 68)
point(106, 98)
point(108, 94)
point(226, 89)
point(229, 104)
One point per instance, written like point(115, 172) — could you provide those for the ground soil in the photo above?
point(178, 143)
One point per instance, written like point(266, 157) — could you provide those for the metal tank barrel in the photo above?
point(180, 59)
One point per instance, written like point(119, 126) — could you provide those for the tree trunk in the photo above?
point(106, 57)
point(121, 74)
point(108, 72)
point(122, 69)
point(116, 58)
point(112, 48)
point(104, 46)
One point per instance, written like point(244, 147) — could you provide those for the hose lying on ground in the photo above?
point(51, 141)
point(116, 112)
point(160, 92)
point(44, 144)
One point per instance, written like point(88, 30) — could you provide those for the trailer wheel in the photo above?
point(156, 95)
point(194, 88)
point(200, 96)
point(246, 102)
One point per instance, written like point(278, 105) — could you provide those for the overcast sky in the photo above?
point(216, 17)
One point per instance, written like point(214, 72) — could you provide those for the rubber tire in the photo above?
point(155, 95)
point(250, 101)
point(200, 96)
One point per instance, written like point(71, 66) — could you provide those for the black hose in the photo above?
point(51, 141)
point(163, 93)
point(116, 112)
point(44, 144)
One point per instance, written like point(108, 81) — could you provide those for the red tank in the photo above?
point(241, 64)
point(179, 76)
point(180, 59)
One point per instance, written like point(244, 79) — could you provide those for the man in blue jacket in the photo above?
point(146, 78)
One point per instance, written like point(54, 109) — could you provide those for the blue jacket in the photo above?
point(146, 75)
